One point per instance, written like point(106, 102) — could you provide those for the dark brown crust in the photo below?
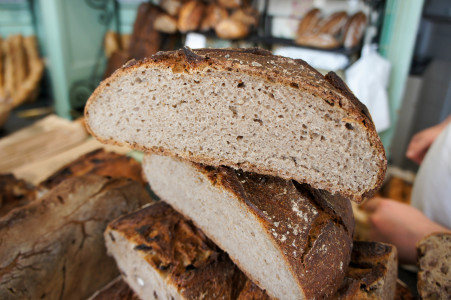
point(14, 193)
point(370, 263)
point(273, 69)
point(312, 228)
point(171, 244)
point(54, 245)
point(97, 162)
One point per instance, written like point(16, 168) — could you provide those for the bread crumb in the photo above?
point(276, 224)
point(255, 64)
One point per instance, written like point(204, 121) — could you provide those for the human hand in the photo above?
point(420, 143)
point(399, 224)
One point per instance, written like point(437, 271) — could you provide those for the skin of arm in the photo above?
point(401, 225)
point(420, 142)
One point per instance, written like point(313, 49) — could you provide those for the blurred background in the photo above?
point(393, 54)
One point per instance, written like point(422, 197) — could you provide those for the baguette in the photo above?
point(53, 248)
point(309, 22)
point(2, 72)
point(297, 240)
point(9, 77)
point(237, 107)
point(35, 69)
point(333, 24)
point(354, 30)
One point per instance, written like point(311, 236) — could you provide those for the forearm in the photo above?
point(446, 121)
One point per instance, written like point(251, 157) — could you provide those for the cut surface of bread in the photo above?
point(290, 240)
point(247, 109)
point(372, 273)
point(162, 255)
point(434, 261)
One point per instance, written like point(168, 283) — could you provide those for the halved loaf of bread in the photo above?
point(162, 255)
point(292, 241)
point(161, 242)
point(434, 262)
point(247, 109)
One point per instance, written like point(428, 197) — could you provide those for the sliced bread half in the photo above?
point(247, 109)
point(292, 241)
point(434, 263)
point(162, 255)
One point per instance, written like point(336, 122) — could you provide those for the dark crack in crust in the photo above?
point(367, 267)
point(312, 228)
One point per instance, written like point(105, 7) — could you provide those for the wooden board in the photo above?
point(36, 152)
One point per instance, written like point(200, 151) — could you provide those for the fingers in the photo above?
point(372, 205)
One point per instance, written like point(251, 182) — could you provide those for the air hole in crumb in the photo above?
point(323, 138)
point(304, 126)
point(240, 137)
point(223, 84)
point(294, 84)
point(138, 80)
point(240, 84)
point(258, 121)
point(349, 126)
point(280, 116)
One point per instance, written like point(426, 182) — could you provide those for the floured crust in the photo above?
point(304, 230)
point(259, 63)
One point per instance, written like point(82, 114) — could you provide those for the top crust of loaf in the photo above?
point(258, 63)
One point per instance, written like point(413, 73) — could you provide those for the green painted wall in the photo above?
point(397, 43)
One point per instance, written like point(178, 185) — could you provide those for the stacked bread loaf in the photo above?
point(261, 153)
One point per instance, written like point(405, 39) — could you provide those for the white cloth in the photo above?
point(432, 188)
point(368, 79)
